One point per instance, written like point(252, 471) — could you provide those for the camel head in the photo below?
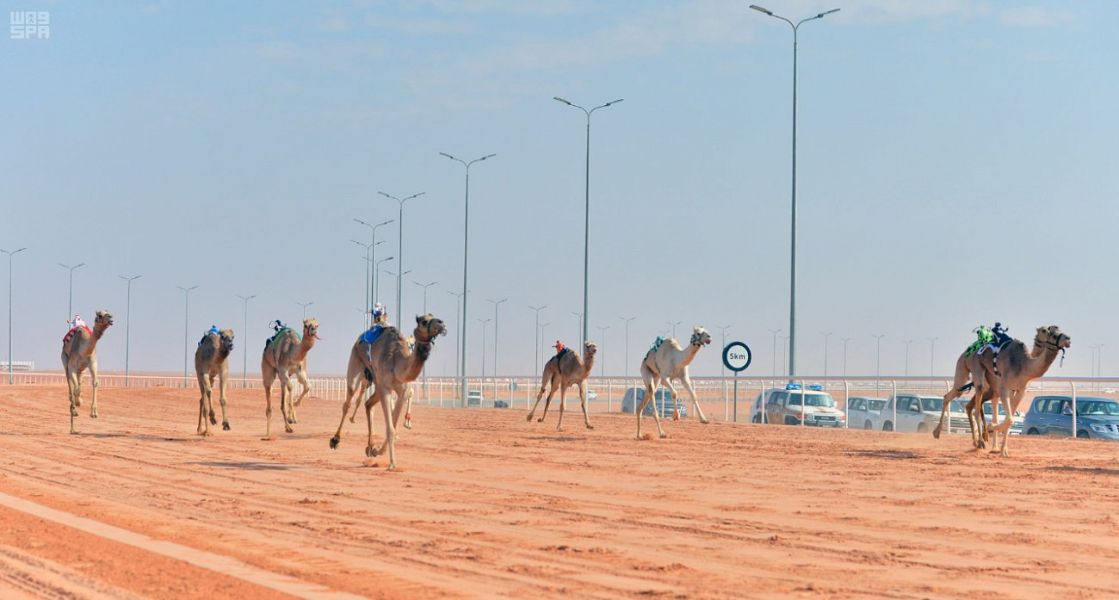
point(104, 319)
point(1052, 338)
point(311, 328)
point(589, 349)
point(428, 328)
point(700, 337)
point(226, 339)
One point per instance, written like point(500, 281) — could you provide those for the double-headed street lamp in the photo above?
point(377, 279)
point(304, 305)
point(70, 306)
point(186, 326)
point(536, 351)
point(587, 208)
point(11, 254)
point(400, 244)
point(370, 253)
point(673, 324)
point(793, 236)
point(465, 261)
point(372, 248)
point(128, 322)
point(425, 286)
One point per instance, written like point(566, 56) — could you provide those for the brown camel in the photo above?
point(560, 372)
point(392, 367)
point(968, 371)
point(286, 355)
point(1014, 369)
point(79, 352)
point(1009, 374)
point(365, 386)
point(210, 361)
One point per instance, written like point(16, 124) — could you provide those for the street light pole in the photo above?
point(372, 258)
point(907, 343)
point(579, 317)
point(602, 336)
point(484, 322)
point(496, 304)
point(536, 348)
point(878, 362)
point(673, 324)
point(425, 286)
point(826, 334)
point(465, 259)
point(587, 208)
point(626, 320)
point(458, 325)
point(398, 275)
point(245, 345)
point(774, 332)
point(377, 279)
point(70, 306)
point(304, 305)
point(186, 326)
point(845, 340)
point(722, 368)
point(11, 254)
point(128, 322)
point(793, 240)
point(400, 245)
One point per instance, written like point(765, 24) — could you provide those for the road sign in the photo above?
point(737, 356)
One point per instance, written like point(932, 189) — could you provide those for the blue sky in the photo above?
point(956, 167)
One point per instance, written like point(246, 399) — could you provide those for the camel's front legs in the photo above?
point(352, 390)
point(93, 382)
point(948, 398)
point(72, 389)
point(285, 402)
point(390, 427)
point(687, 383)
point(583, 402)
point(203, 425)
point(539, 395)
point(547, 401)
point(667, 383)
point(562, 406)
point(369, 404)
point(221, 399)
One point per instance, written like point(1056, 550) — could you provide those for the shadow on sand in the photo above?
point(247, 466)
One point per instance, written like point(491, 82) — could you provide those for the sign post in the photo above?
point(736, 357)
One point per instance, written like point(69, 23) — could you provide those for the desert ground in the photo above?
point(487, 505)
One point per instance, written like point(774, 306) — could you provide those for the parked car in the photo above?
point(1096, 418)
point(474, 398)
point(634, 396)
point(863, 412)
point(1016, 423)
point(500, 404)
point(918, 414)
point(792, 403)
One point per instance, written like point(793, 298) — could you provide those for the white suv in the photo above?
point(789, 405)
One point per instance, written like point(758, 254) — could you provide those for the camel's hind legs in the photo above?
point(687, 383)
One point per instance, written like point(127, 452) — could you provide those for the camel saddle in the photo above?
point(370, 335)
point(657, 344)
point(74, 331)
point(279, 334)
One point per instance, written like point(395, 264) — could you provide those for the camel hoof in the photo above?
point(334, 441)
point(77, 401)
point(675, 417)
point(407, 424)
point(370, 451)
point(213, 420)
point(663, 435)
point(936, 433)
point(289, 430)
point(589, 426)
point(644, 437)
point(205, 433)
point(225, 425)
point(540, 420)
point(92, 415)
point(73, 413)
point(392, 467)
point(529, 417)
point(352, 420)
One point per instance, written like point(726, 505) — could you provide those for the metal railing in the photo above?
point(620, 394)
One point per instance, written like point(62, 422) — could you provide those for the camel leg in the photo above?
point(543, 387)
point(353, 388)
point(562, 406)
point(269, 377)
point(390, 427)
point(369, 404)
point(93, 384)
point(1005, 427)
point(285, 400)
point(583, 402)
point(667, 382)
point(686, 381)
point(203, 426)
point(363, 389)
point(948, 398)
point(221, 399)
point(301, 375)
point(72, 395)
point(210, 402)
point(548, 401)
point(403, 407)
point(650, 391)
point(408, 410)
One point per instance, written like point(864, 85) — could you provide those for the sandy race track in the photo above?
point(487, 505)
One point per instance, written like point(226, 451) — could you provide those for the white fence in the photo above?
point(618, 394)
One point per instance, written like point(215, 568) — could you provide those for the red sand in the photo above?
point(487, 505)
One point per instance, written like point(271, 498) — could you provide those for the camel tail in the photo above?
point(967, 386)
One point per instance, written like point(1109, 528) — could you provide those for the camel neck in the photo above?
point(1036, 366)
point(305, 346)
point(588, 364)
point(689, 355)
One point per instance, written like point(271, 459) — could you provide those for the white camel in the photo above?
point(668, 361)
